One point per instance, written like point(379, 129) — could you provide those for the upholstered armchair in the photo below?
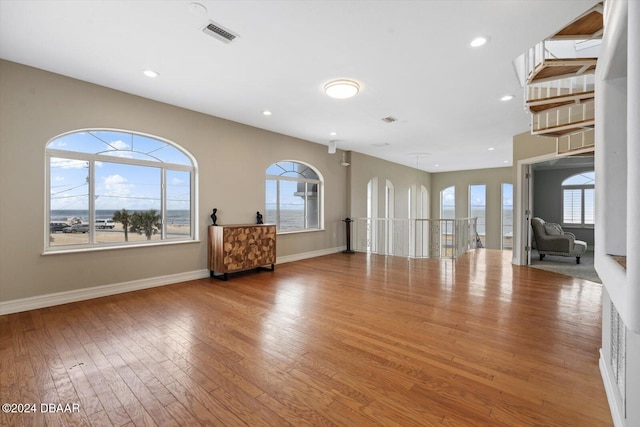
point(552, 240)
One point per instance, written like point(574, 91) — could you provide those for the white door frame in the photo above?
point(524, 201)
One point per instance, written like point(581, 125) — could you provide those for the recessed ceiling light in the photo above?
point(341, 89)
point(506, 161)
point(333, 134)
point(436, 165)
point(479, 41)
point(266, 112)
point(491, 148)
point(197, 9)
point(150, 73)
point(507, 98)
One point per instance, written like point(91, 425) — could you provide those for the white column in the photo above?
point(633, 162)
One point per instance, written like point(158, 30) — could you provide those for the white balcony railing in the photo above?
point(414, 238)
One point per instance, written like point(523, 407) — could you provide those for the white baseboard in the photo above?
point(610, 388)
point(307, 255)
point(48, 300)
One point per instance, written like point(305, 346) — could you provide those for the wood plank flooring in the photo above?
point(345, 340)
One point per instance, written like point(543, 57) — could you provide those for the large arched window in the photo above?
point(578, 199)
point(109, 188)
point(293, 196)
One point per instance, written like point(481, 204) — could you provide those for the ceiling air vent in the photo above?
point(389, 119)
point(215, 30)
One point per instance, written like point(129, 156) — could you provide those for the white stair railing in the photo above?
point(560, 87)
point(414, 238)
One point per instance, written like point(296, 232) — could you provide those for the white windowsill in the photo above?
point(114, 247)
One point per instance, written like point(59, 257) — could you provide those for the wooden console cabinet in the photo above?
point(240, 247)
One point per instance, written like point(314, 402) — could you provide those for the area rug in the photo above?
point(567, 265)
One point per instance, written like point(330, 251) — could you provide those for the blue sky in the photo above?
point(117, 185)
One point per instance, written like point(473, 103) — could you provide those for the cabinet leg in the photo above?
point(222, 276)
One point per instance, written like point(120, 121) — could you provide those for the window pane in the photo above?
point(448, 203)
point(178, 223)
point(82, 142)
point(291, 206)
point(69, 202)
point(447, 211)
point(306, 171)
point(274, 169)
point(271, 202)
point(586, 178)
point(478, 207)
point(132, 188)
point(313, 208)
point(572, 206)
point(159, 150)
point(507, 216)
point(589, 206)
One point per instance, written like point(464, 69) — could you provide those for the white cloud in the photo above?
point(116, 185)
point(120, 145)
point(68, 163)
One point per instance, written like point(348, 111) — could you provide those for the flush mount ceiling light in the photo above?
point(342, 89)
point(151, 74)
point(479, 41)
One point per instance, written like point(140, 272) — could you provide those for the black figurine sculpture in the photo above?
point(259, 218)
point(214, 217)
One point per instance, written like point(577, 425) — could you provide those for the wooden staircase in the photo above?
point(559, 83)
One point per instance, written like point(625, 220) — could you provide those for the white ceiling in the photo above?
point(412, 59)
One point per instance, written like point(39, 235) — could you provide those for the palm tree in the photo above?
point(146, 222)
point(124, 218)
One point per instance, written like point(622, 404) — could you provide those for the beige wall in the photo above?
point(492, 178)
point(364, 168)
point(36, 106)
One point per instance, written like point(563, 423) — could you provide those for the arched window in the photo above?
point(108, 188)
point(293, 196)
point(372, 214)
point(578, 199)
point(448, 203)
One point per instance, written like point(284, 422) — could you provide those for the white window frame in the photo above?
point(320, 196)
point(582, 188)
point(92, 245)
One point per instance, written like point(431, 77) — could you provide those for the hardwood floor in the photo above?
point(347, 340)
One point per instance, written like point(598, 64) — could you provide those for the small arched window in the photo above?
point(293, 196)
point(578, 199)
point(108, 188)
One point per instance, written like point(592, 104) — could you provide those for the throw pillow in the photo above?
point(553, 229)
